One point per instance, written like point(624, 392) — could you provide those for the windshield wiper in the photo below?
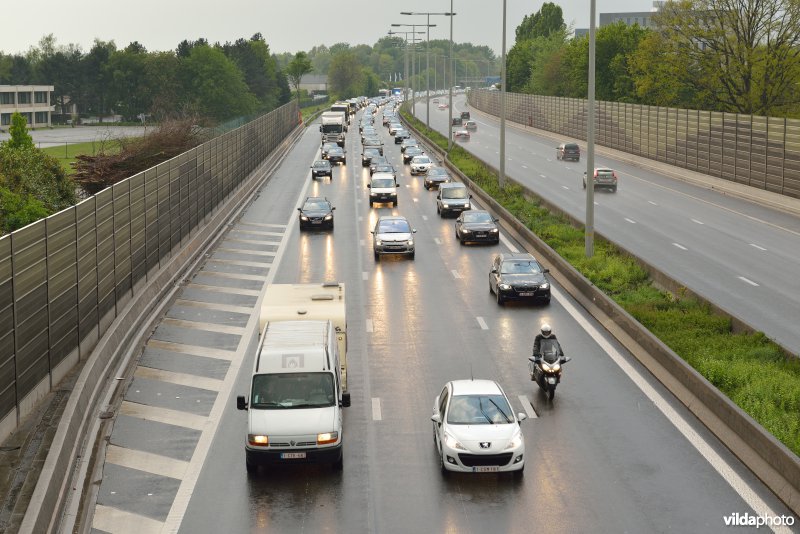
point(499, 410)
point(484, 413)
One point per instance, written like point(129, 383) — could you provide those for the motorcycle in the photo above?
point(546, 370)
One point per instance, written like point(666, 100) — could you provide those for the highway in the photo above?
point(614, 452)
point(737, 254)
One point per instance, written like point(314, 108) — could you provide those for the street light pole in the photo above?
point(450, 96)
point(589, 237)
point(502, 177)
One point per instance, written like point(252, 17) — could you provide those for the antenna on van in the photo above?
point(471, 376)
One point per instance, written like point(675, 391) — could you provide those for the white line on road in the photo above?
point(376, 409)
point(697, 222)
point(542, 176)
point(482, 323)
point(743, 279)
point(360, 218)
point(508, 244)
point(369, 325)
point(364, 275)
point(565, 187)
point(548, 159)
point(679, 246)
point(416, 200)
point(524, 166)
point(526, 405)
point(455, 274)
point(756, 246)
point(424, 217)
point(706, 451)
point(437, 240)
point(596, 203)
point(630, 220)
point(361, 242)
point(651, 202)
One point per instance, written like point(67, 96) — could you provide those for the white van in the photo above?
point(382, 189)
point(296, 396)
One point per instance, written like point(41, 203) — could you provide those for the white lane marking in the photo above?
point(630, 220)
point(596, 203)
point(526, 405)
point(697, 222)
point(416, 200)
point(364, 275)
point(497, 152)
point(376, 409)
point(163, 415)
point(146, 461)
point(360, 218)
point(542, 176)
point(358, 200)
point(706, 451)
point(181, 379)
point(455, 274)
point(424, 217)
point(651, 202)
point(756, 246)
point(109, 519)
point(509, 159)
point(437, 240)
point(565, 187)
point(747, 281)
point(361, 242)
point(482, 323)
point(369, 325)
point(524, 166)
point(507, 243)
point(679, 246)
point(407, 186)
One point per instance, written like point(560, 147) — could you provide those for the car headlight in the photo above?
point(452, 442)
point(328, 217)
point(515, 442)
point(445, 205)
point(544, 286)
point(326, 438)
point(411, 242)
point(303, 218)
point(378, 242)
point(495, 230)
point(257, 439)
point(504, 287)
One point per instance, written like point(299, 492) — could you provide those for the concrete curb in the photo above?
point(769, 459)
point(49, 496)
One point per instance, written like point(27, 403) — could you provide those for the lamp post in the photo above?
point(428, 60)
point(405, 57)
point(502, 175)
point(414, 27)
point(589, 226)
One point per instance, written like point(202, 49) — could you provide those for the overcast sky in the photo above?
point(287, 25)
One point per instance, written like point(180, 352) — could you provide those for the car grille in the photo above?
point(479, 460)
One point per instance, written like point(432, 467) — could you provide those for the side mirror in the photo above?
point(436, 418)
point(346, 399)
point(299, 209)
point(372, 232)
point(333, 209)
point(521, 416)
point(369, 186)
point(493, 271)
point(414, 231)
point(470, 196)
point(495, 220)
point(564, 359)
point(320, 128)
point(241, 404)
point(531, 359)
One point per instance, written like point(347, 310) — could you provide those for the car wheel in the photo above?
point(338, 465)
point(370, 203)
point(331, 225)
point(614, 189)
point(412, 255)
point(491, 289)
point(441, 463)
point(500, 299)
point(584, 184)
point(251, 468)
point(377, 256)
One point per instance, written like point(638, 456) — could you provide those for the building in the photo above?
point(32, 101)
point(314, 83)
point(642, 18)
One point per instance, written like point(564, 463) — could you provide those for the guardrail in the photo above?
point(65, 278)
point(769, 459)
point(761, 152)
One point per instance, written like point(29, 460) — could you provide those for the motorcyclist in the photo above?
point(545, 333)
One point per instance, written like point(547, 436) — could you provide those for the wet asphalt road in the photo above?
point(614, 452)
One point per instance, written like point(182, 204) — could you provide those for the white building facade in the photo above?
point(32, 101)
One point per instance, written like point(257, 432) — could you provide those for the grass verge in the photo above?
point(311, 110)
point(66, 153)
point(750, 369)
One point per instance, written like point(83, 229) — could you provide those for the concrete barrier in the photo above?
point(769, 459)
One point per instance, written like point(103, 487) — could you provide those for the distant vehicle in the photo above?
point(436, 176)
point(400, 135)
point(367, 154)
point(333, 127)
point(374, 142)
point(410, 153)
point(477, 226)
point(321, 167)
point(316, 212)
point(570, 151)
point(471, 125)
point(461, 134)
point(603, 177)
point(325, 148)
point(465, 115)
point(382, 189)
point(452, 198)
point(442, 106)
point(407, 143)
point(518, 276)
point(384, 168)
point(393, 127)
point(435, 100)
point(393, 235)
point(420, 164)
point(337, 155)
point(475, 429)
point(377, 160)
point(457, 121)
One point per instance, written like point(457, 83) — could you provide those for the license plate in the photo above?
point(551, 380)
point(292, 455)
point(486, 469)
point(527, 294)
point(316, 222)
point(480, 235)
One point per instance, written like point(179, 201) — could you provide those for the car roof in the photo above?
point(452, 185)
point(382, 175)
point(475, 387)
point(391, 218)
point(316, 199)
point(516, 256)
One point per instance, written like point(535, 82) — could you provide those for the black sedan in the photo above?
point(477, 226)
point(436, 176)
point(518, 276)
point(410, 152)
point(367, 154)
point(321, 167)
point(337, 155)
point(316, 212)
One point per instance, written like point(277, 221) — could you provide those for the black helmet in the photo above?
point(546, 330)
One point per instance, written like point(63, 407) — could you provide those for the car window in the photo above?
point(394, 226)
point(292, 390)
point(479, 410)
point(455, 192)
point(443, 400)
point(321, 164)
point(477, 217)
point(421, 159)
point(520, 267)
point(315, 205)
point(604, 172)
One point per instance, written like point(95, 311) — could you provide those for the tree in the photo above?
point(20, 138)
point(537, 32)
point(547, 21)
point(344, 75)
point(296, 69)
point(745, 53)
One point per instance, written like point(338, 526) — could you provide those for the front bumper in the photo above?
point(419, 170)
point(466, 462)
point(525, 293)
point(454, 208)
point(480, 237)
point(267, 456)
point(393, 248)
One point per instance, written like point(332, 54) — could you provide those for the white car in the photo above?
point(421, 164)
point(475, 430)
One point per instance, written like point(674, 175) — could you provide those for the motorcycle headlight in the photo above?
point(544, 286)
point(515, 442)
point(504, 287)
point(551, 367)
point(328, 217)
point(452, 442)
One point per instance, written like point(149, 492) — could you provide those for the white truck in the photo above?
point(298, 386)
point(333, 127)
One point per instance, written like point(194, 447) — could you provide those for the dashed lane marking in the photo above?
point(679, 246)
point(748, 281)
point(482, 323)
point(376, 409)
point(758, 247)
point(369, 325)
point(455, 274)
point(181, 379)
point(437, 240)
point(630, 220)
point(697, 222)
point(364, 275)
point(146, 461)
point(527, 406)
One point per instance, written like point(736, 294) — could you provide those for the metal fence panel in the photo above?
point(62, 284)
point(8, 397)
point(104, 219)
point(87, 268)
point(137, 213)
point(122, 239)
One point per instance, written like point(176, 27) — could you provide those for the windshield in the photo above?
point(421, 159)
point(315, 205)
point(520, 267)
point(437, 171)
point(292, 390)
point(384, 168)
point(549, 349)
point(379, 183)
point(479, 410)
point(335, 150)
point(395, 226)
point(477, 217)
point(331, 128)
point(454, 192)
point(321, 164)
